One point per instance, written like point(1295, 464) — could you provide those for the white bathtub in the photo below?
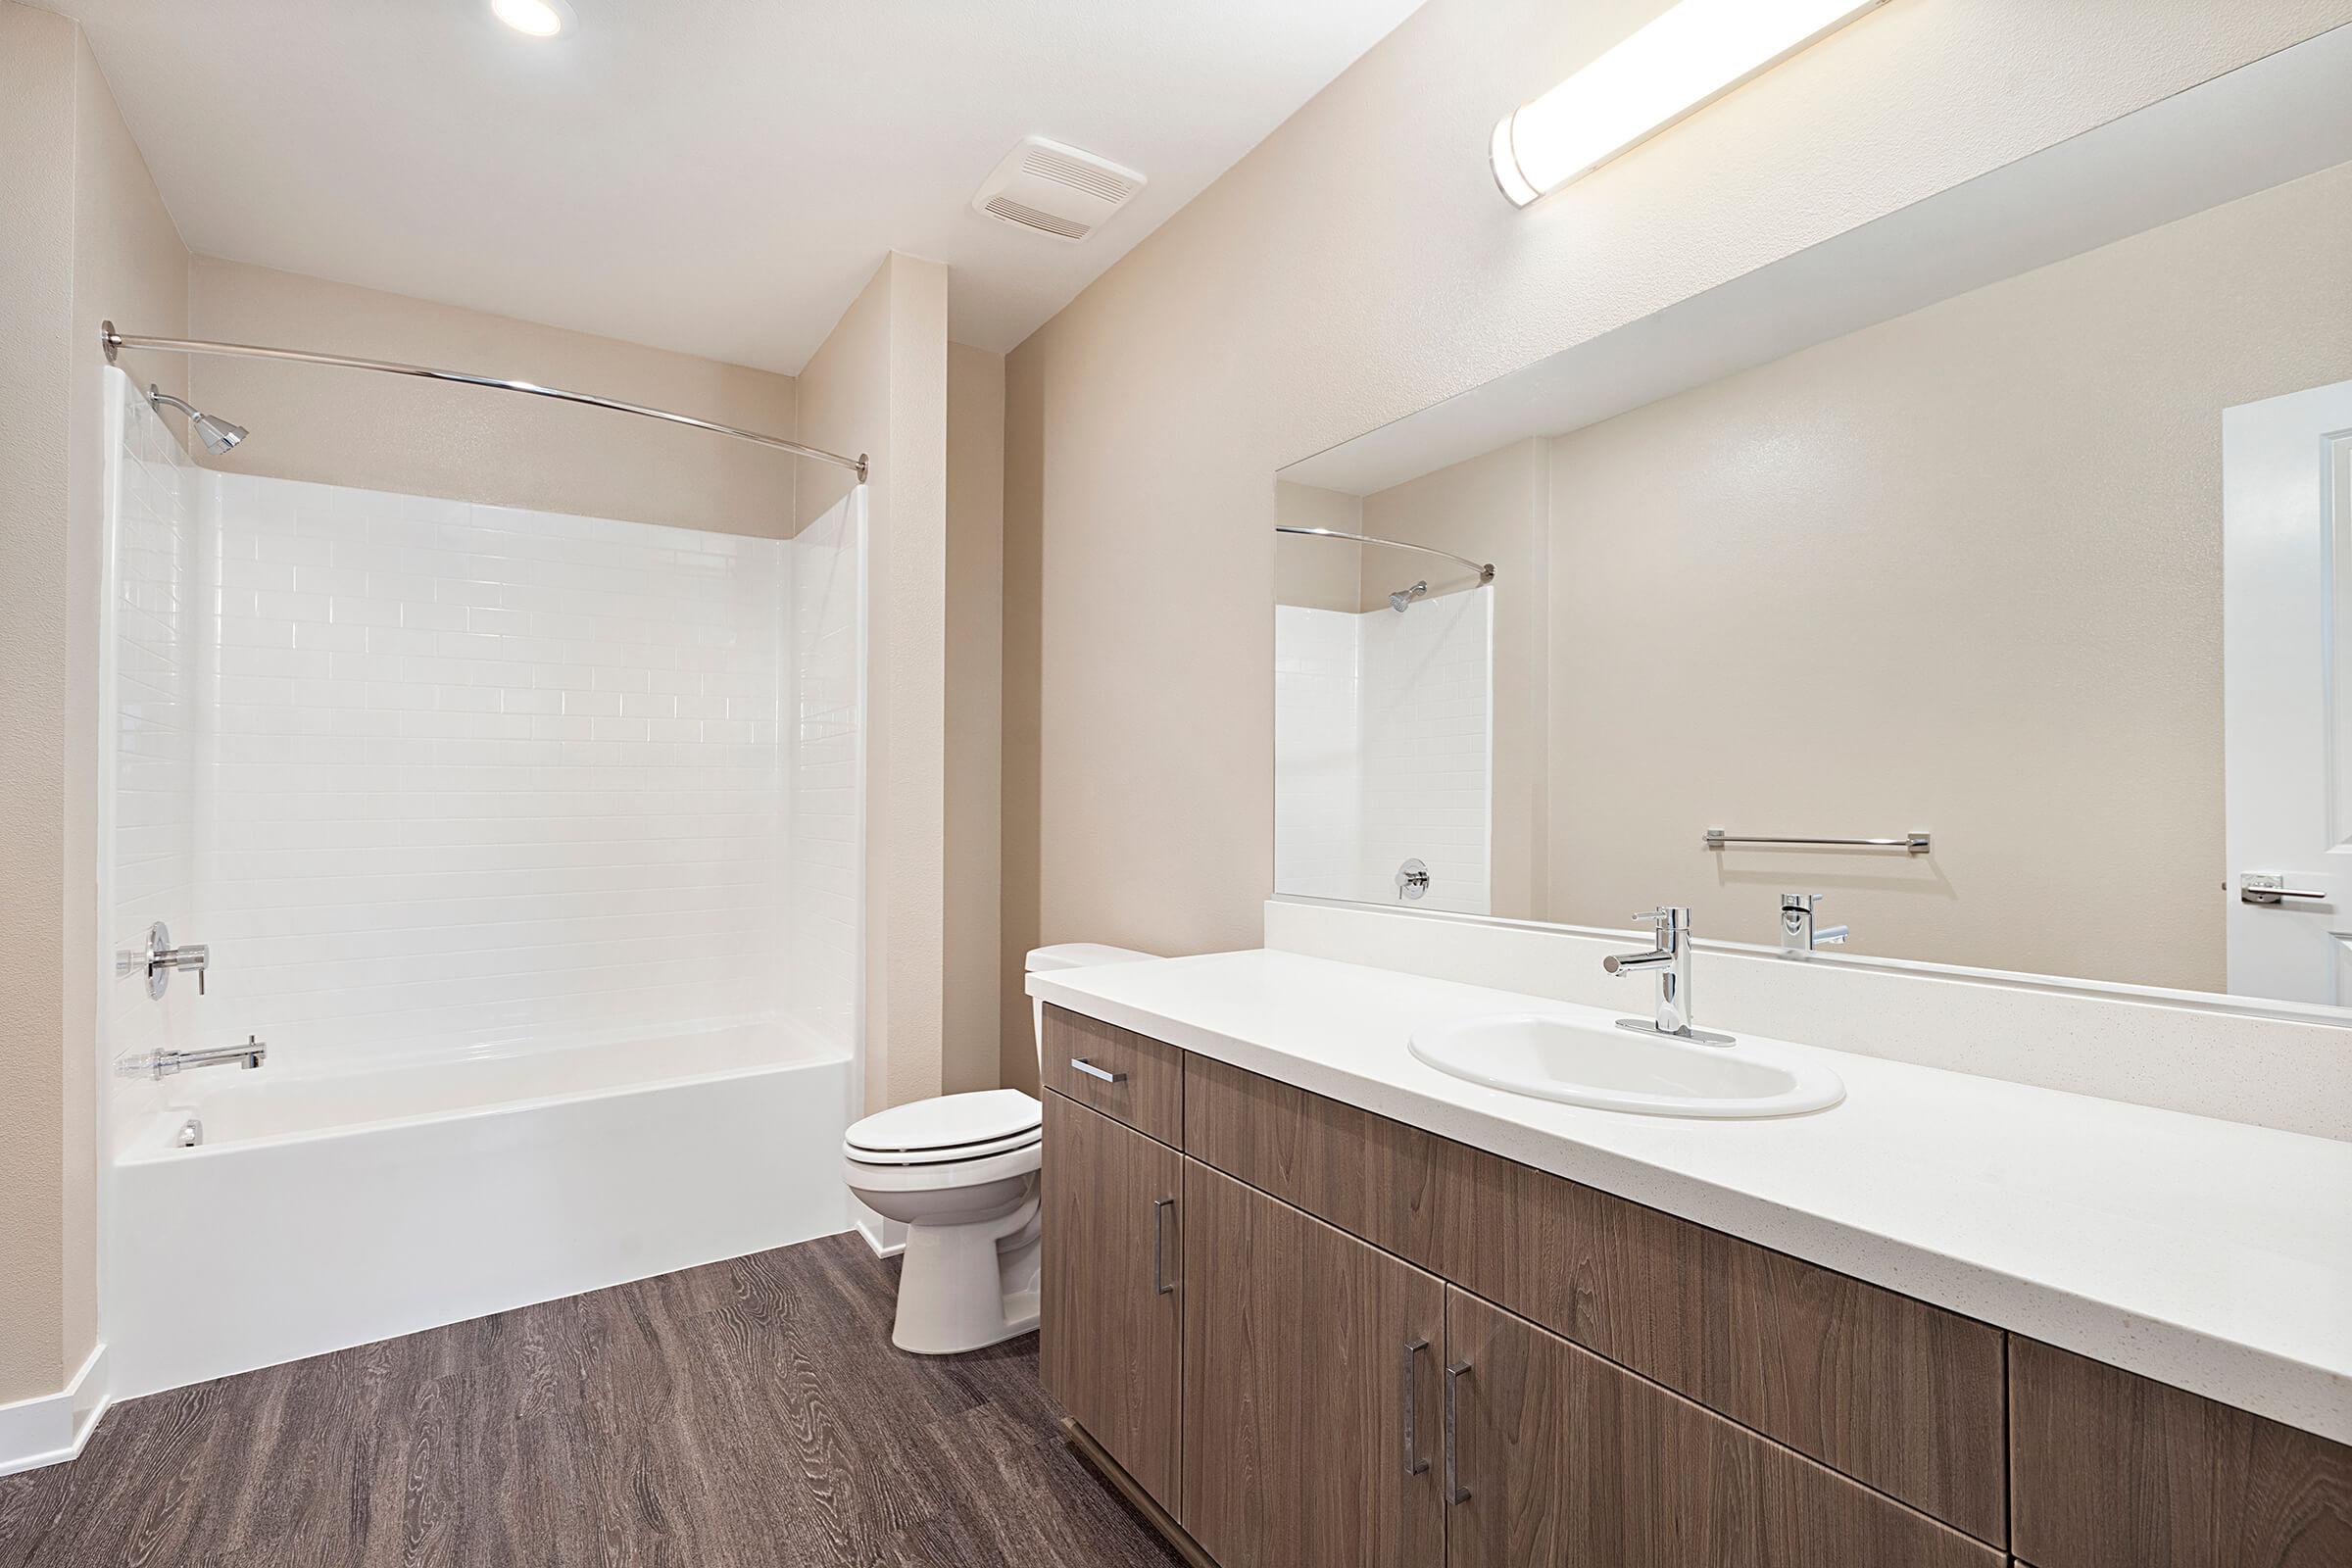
point(321, 1212)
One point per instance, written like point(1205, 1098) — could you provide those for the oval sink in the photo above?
point(1591, 1062)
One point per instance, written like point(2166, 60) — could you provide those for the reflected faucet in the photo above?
point(1670, 959)
point(1800, 930)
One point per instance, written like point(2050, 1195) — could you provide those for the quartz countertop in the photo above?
point(2205, 1254)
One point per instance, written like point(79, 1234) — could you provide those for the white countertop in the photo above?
point(2205, 1254)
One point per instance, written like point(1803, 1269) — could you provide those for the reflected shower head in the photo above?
point(1406, 596)
point(217, 435)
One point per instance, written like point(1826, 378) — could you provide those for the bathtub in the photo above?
point(323, 1211)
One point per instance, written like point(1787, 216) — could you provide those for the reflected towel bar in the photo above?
point(1909, 842)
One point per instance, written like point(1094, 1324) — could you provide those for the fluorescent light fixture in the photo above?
point(535, 19)
point(1661, 75)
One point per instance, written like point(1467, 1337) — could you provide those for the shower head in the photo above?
point(217, 435)
point(1406, 596)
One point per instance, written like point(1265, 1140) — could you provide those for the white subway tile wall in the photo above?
point(1318, 752)
point(148, 825)
point(467, 776)
point(1384, 742)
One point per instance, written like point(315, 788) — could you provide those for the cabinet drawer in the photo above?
point(1563, 1459)
point(2112, 1470)
point(1896, 1393)
point(1118, 1072)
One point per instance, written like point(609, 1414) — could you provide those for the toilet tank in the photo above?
point(1069, 955)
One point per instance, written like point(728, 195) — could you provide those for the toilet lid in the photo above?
point(950, 1126)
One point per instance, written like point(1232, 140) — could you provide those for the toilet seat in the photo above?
point(950, 1129)
point(957, 1154)
point(941, 1176)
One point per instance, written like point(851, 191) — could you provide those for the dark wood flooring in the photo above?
point(751, 1412)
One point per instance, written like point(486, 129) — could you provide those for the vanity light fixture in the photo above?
point(1672, 68)
point(536, 18)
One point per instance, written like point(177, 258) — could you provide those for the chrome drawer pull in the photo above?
point(1159, 1250)
point(1092, 1071)
point(1455, 1491)
point(1414, 1464)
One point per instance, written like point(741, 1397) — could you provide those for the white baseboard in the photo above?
point(887, 1236)
point(50, 1428)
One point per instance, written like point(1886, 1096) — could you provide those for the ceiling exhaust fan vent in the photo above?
point(1055, 189)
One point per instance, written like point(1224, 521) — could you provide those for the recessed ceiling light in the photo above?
point(535, 19)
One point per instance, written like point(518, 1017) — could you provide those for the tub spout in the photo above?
point(164, 1063)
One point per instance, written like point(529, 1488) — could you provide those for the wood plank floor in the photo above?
point(751, 1412)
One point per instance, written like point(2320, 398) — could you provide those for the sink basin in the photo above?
point(1587, 1060)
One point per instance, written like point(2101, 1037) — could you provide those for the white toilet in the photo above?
point(961, 1173)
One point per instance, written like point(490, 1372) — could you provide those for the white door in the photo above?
point(2286, 597)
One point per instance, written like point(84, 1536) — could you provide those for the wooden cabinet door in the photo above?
point(1560, 1460)
point(1310, 1389)
point(2116, 1471)
point(1111, 1332)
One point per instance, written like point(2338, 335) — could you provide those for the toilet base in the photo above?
point(967, 1286)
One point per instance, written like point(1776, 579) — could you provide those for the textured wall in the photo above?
point(975, 975)
point(425, 438)
point(1359, 265)
point(86, 237)
point(879, 385)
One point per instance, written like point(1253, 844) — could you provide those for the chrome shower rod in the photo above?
point(1486, 571)
point(113, 340)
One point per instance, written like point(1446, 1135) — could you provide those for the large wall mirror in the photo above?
point(2010, 535)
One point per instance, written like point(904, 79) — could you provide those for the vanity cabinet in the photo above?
point(1310, 1389)
point(1313, 1336)
point(1902, 1395)
point(2118, 1471)
point(1563, 1459)
point(1111, 1333)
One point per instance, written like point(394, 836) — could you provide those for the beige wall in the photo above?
point(1960, 571)
point(972, 1052)
point(86, 237)
point(879, 385)
point(1496, 509)
point(1358, 265)
point(429, 438)
point(1317, 573)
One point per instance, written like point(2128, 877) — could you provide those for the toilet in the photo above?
point(959, 1171)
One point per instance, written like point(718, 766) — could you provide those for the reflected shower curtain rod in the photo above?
point(1484, 569)
point(113, 340)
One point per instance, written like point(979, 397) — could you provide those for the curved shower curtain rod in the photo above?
point(113, 340)
point(1484, 569)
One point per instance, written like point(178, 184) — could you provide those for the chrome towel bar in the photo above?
point(1909, 842)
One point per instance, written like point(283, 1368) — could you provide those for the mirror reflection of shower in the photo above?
point(1383, 721)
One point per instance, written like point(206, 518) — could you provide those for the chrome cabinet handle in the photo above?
point(1414, 1464)
point(1455, 1491)
point(1092, 1071)
point(1159, 1249)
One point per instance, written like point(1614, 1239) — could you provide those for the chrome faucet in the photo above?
point(1799, 932)
point(1670, 959)
point(164, 1063)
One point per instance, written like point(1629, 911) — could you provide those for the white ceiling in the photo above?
point(716, 176)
